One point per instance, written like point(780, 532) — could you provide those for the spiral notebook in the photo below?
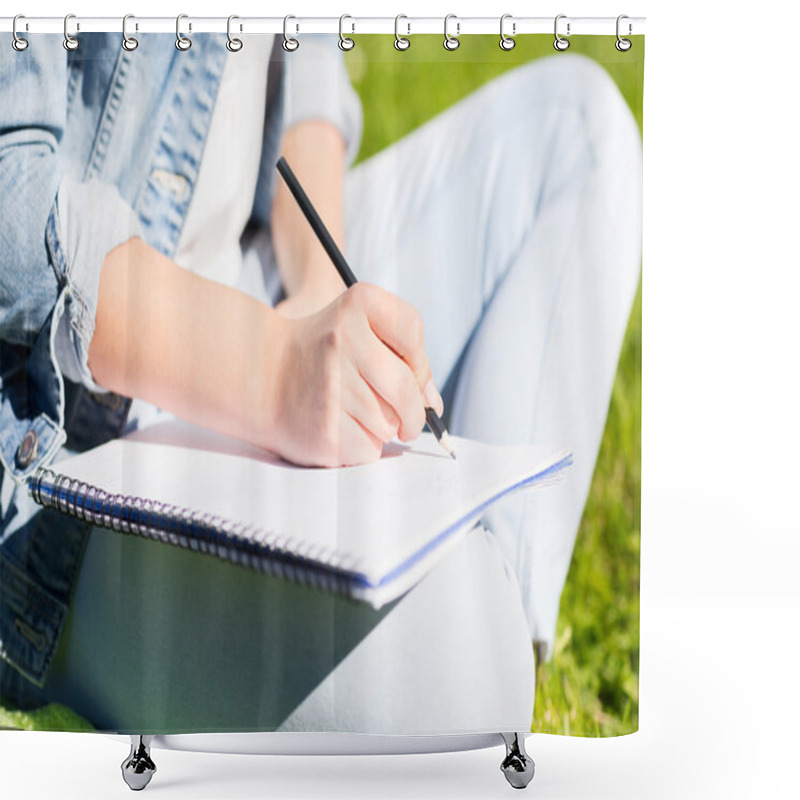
point(369, 532)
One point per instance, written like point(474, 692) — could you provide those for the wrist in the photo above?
point(270, 346)
point(320, 278)
point(320, 288)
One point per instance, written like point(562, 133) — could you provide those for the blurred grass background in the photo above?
point(591, 685)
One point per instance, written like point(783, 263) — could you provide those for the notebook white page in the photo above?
point(388, 521)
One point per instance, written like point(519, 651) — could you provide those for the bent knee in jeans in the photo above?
point(452, 655)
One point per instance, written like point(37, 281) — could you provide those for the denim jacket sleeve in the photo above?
point(318, 87)
point(55, 231)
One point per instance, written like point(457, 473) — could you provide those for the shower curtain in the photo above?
point(154, 267)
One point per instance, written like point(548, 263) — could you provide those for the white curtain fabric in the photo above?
point(510, 220)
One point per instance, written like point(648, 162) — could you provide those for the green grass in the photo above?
point(53, 717)
point(590, 687)
point(401, 90)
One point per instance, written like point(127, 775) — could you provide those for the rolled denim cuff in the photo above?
point(318, 87)
point(88, 220)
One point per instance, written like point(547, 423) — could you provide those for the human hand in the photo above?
point(349, 378)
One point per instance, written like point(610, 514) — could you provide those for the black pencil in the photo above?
point(326, 240)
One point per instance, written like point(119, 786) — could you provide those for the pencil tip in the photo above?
point(445, 442)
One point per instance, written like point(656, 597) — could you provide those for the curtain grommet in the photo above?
point(345, 42)
point(451, 42)
point(182, 43)
point(289, 44)
point(401, 43)
point(506, 42)
point(622, 44)
point(70, 42)
point(18, 43)
point(129, 43)
point(560, 43)
point(233, 44)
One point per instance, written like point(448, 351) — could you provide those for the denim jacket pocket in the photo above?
point(30, 619)
point(39, 567)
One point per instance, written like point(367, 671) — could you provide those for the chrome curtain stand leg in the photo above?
point(138, 768)
point(517, 766)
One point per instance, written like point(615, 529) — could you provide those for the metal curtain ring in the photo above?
point(345, 42)
point(70, 42)
point(506, 42)
point(400, 42)
point(128, 42)
point(182, 42)
point(19, 44)
point(234, 45)
point(451, 42)
point(289, 44)
point(560, 43)
point(623, 45)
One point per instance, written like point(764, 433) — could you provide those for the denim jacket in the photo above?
point(86, 140)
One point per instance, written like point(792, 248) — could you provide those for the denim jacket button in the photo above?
point(27, 449)
point(175, 183)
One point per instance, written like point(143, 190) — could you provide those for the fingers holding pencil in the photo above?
point(335, 371)
point(398, 325)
